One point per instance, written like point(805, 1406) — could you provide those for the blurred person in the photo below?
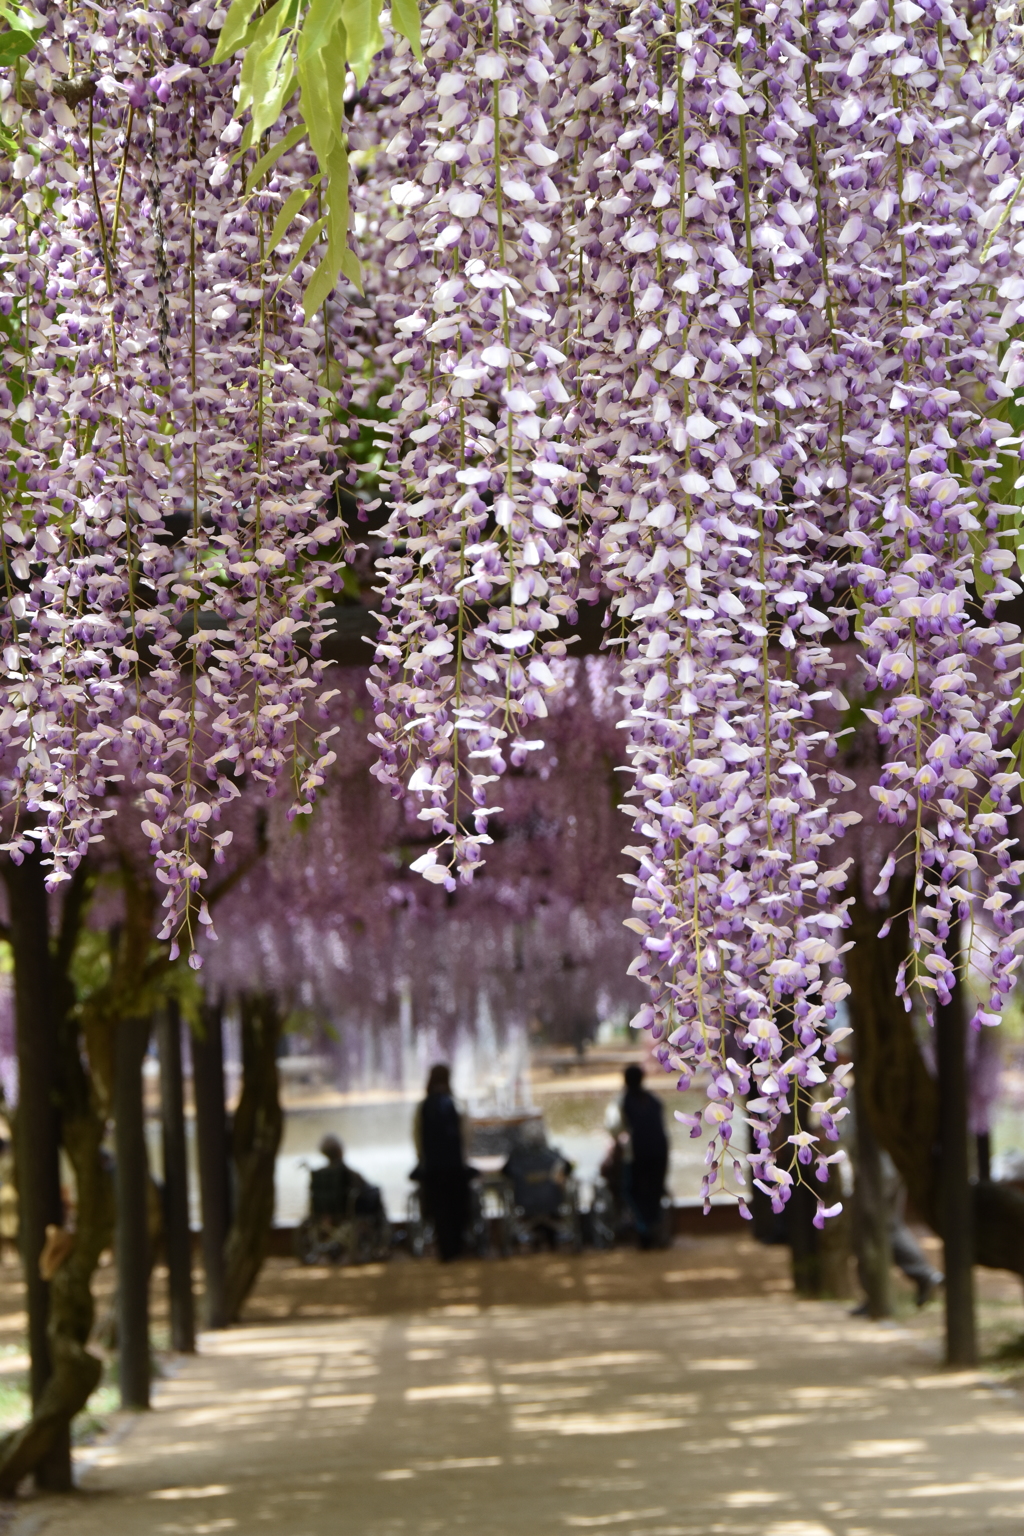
point(338, 1190)
point(907, 1253)
point(638, 1125)
point(539, 1174)
point(442, 1171)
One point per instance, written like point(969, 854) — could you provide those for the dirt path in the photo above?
point(763, 1417)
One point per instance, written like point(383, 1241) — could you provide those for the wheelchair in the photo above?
point(544, 1200)
point(352, 1230)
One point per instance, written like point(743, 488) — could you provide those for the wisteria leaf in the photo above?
point(266, 41)
point(266, 162)
point(352, 267)
point(267, 109)
point(318, 28)
point(337, 198)
point(365, 38)
point(234, 29)
point(405, 18)
point(14, 44)
point(323, 83)
point(287, 216)
point(312, 233)
point(319, 286)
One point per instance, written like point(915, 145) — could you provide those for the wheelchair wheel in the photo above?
point(312, 1244)
point(421, 1232)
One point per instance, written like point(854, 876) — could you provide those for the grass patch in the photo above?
point(88, 1426)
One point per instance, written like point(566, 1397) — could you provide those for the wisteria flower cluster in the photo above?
point(168, 541)
point(709, 311)
point(711, 307)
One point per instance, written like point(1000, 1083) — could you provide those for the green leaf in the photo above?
point(268, 105)
point(20, 20)
point(352, 267)
point(318, 287)
point(318, 27)
point(365, 38)
point(265, 40)
point(337, 199)
point(234, 29)
point(288, 213)
point(274, 153)
point(322, 78)
point(312, 233)
point(14, 44)
point(405, 18)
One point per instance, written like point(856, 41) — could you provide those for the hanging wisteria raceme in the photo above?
point(538, 935)
point(785, 402)
point(169, 545)
point(717, 556)
point(487, 495)
point(710, 307)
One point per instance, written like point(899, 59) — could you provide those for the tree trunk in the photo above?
point(954, 1177)
point(37, 1132)
point(177, 1230)
point(212, 1147)
point(75, 1372)
point(804, 1243)
point(901, 1097)
point(255, 1140)
point(132, 1243)
point(871, 1214)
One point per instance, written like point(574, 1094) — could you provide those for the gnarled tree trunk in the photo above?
point(900, 1096)
point(42, 1445)
point(256, 1136)
point(36, 1133)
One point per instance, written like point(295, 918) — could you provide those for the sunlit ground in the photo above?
point(746, 1416)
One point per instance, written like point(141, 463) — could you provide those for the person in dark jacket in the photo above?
point(444, 1177)
point(646, 1163)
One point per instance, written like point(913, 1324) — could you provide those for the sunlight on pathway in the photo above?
point(766, 1418)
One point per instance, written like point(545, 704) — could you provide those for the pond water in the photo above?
point(378, 1142)
point(377, 1136)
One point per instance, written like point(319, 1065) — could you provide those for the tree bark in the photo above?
point(256, 1137)
point(74, 1371)
point(132, 1239)
point(212, 1147)
point(901, 1097)
point(871, 1213)
point(177, 1230)
point(37, 1133)
point(804, 1243)
point(954, 1177)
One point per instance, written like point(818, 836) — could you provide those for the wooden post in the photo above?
point(132, 1232)
point(954, 1178)
point(177, 1230)
point(212, 1147)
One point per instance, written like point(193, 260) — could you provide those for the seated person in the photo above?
point(338, 1190)
point(537, 1172)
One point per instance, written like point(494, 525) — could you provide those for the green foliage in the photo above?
point(17, 37)
point(95, 977)
point(308, 45)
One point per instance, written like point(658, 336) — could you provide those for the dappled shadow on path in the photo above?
point(694, 1268)
point(764, 1417)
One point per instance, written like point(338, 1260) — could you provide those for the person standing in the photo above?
point(646, 1161)
point(444, 1177)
